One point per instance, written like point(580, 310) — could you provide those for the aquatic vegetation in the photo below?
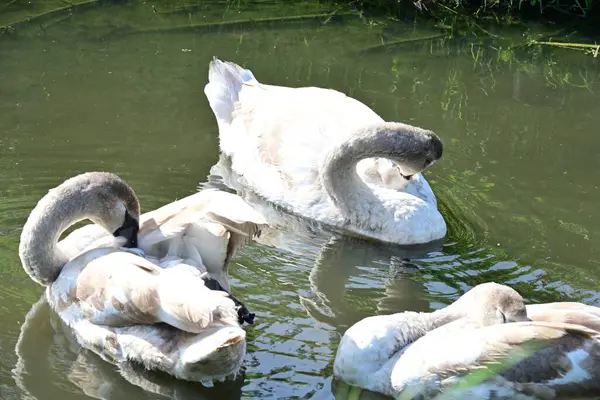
point(575, 8)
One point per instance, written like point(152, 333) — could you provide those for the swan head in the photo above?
point(422, 148)
point(491, 304)
point(111, 203)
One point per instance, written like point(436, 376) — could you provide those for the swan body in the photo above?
point(49, 355)
point(121, 303)
point(325, 156)
point(114, 299)
point(411, 353)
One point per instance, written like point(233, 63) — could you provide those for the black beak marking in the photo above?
point(129, 231)
point(407, 177)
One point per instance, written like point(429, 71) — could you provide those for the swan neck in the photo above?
point(40, 254)
point(348, 191)
point(441, 317)
point(415, 325)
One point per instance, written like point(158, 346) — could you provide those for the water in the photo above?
point(517, 183)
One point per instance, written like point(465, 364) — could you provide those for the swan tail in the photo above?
point(222, 342)
point(187, 304)
point(225, 80)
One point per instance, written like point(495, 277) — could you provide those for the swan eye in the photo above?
point(428, 162)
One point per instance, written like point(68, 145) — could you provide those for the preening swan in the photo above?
point(556, 346)
point(208, 227)
point(119, 304)
point(327, 157)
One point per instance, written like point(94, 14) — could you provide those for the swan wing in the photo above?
point(436, 362)
point(119, 288)
point(208, 227)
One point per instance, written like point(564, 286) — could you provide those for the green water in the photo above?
point(518, 183)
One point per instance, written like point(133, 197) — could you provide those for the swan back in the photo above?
point(290, 161)
point(567, 312)
point(209, 227)
point(529, 357)
point(126, 308)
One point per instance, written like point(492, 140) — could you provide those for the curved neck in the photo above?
point(38, 249)
point(356, 200)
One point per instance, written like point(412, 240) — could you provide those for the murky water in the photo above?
point(115, 88)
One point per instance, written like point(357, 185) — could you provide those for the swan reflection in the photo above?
point(50, 362)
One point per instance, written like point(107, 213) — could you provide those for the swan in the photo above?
point(120, 304)
point(327, 157)
point(407, 353)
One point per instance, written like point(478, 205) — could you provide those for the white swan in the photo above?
point(123, 306)
point(407, 353)
point(301, 148)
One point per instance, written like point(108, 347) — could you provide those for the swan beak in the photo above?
point(129, 231)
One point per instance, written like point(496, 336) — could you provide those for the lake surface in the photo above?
point(116, 88)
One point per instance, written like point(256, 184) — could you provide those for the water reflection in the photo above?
point(345, 267)
point(50, 362)
point(342, 265)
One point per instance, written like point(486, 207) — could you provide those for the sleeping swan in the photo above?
point(119, 304)
point(427, 353)
point(328, 157)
